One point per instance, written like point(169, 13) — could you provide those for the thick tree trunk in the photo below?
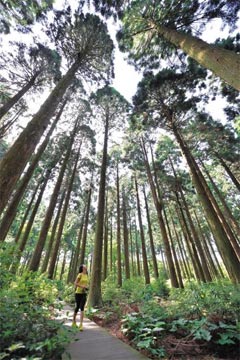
point(144, 252)
point(56, 245)
point(125, 236)
point(12, 208)
point(13, 100)
point(154, 258)
point(95, 295)
point(223, 63)
point(16, 158)
point(225, 248)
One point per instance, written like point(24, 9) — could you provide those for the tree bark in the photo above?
point(119, 256)
point(12, 208)
point(228, 171)
point(85, 228)
point(53, 233)
point(95, 295)
point(158, 206)
point(225, 248)
point(154, 258)
point(223, 63)
point(34, 263)
point(16, 158)
point(13, 100)
point(125, 236)
point(144, 252)
point(55, 251)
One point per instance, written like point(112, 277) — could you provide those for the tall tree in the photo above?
point(88, 49)
point(151, 28)
point(111, 107)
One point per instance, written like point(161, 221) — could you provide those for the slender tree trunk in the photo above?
point(225, 248)
point(137, 251)
point(228, 212)
point(111, 244)
point(63, 265)
point(33, 214)
point(57, 242)
point(26, 213)
point(144, 252)
point(229, 172)
point(125, 236)
point(105, 242)
point(95, 295)
point(13, 100)
point(180, 281)
point(34, 264)
point(119, 256)
point(158, 206)
point(131, 247)
point(154, 258)
point(16, 158)
point(85, 228)
point(224, 63)
point(53, 233)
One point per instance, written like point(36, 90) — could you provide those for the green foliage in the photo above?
point(142, 329)
point(220, 298)
point(27, 307)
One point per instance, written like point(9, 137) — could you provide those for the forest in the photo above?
point(145, 192)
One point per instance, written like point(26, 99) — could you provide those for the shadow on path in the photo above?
point(95, 343)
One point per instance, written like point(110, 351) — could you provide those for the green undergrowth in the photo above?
point(28, 305)
point(201, 319)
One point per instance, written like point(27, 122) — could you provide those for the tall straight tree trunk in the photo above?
point(95, 295)
point(137, 250)
point(119, 252)
point(13, 100)
point(197, 241)
point(125, 236)
point(85, 228)
point(16, 158)
point(204, 242)
point(226, 250)
point(55, 251)
point(105, 243)
point(131, 246)
point(26, 214)
point(154, 258)
point(53, 233)
point(224, 63)
point(34, 212)
point(71, 274)
point(228, 212)
point(63, 265)
point(180, 281)
point(111, 244)
point(144, 252)
point(228, 171)
point(158, 206)
point(34, 263)
point(187, 237)
point(11, 210)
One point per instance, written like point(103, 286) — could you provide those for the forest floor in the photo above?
point(184, 348)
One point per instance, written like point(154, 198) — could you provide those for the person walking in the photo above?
point(81, 287)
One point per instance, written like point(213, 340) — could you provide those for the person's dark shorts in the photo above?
point(80, 301)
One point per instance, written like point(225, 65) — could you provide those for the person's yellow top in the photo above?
point(82, 280)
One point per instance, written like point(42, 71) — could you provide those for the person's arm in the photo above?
point(76, 283)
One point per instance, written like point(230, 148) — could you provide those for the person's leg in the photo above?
point(77, 307)
point(82, 305)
